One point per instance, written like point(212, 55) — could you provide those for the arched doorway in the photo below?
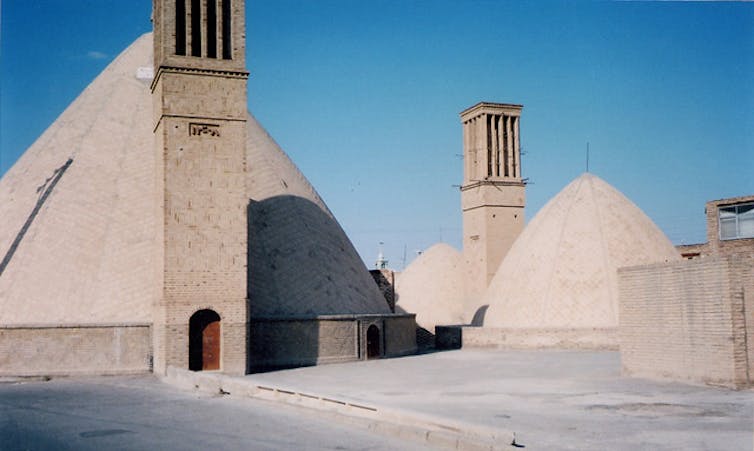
point(204, 341)
point(373, 342)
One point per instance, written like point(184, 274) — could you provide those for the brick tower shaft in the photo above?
point(200, 111)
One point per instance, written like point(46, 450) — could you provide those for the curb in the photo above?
point(434, 431)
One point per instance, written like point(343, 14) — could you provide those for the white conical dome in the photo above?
point(87, 256)
point(562, 270)
point(432, 287)
point(85, 251)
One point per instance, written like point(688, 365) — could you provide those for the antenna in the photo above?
point(404, 256)
point(587, 156)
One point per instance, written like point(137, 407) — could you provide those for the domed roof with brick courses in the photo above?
point(301, 262)
point(561, 272)
point(87, 255)
point(78, 240)
point(432, 287)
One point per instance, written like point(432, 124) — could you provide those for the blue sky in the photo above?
point(365, 95)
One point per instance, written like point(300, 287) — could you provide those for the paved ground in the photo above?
point(550, 399)
point(141, 413)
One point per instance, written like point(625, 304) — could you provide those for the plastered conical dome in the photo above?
point(432, 287)
point(87, 255)
point(300, 260)
point(561, 271)
point(78, 237)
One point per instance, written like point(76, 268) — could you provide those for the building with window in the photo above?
point(730, 229)
point(692, 320)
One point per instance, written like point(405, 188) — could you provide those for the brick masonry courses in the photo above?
point(690, 320)
point(110, 244)
point(200, 135)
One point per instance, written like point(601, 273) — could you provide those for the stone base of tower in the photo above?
point(454, 337)
point(289, 342)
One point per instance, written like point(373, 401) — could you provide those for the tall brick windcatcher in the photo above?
point(493, 191)
point(200, 115)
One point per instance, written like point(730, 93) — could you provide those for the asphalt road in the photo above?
point(141, 413)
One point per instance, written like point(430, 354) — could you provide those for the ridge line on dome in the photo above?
point(550, 278)
point(605, 251)
point(112, 87)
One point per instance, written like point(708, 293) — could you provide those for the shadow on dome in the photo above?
point(302, 263)
point(311, 299)
point(478, 319)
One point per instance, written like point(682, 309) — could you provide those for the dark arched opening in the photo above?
point(373, 342)
point(204, 341)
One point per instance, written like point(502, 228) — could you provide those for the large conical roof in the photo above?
point(432, 287)
point(87, 255)
point(300, 260)
point(561, 271)
point(78, 238)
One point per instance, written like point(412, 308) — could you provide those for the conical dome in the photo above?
point(78, 238)
point(85, 252)
point(561, 271)
point(432, 287)
point(300, 260)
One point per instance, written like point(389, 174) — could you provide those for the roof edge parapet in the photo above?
point(491, 108)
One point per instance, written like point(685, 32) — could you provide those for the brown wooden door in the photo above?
point(211, 346)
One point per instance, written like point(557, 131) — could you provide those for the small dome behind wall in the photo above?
point(432, 287)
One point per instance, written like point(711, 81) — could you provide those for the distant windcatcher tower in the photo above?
point(200, 114)
point(492, 193)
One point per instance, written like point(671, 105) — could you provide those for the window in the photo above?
point(736, 221)
point(180, 27)
point(227, 47)
point(211, 29)
point(196, 28)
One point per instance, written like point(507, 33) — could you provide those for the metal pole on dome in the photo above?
point(587, 156)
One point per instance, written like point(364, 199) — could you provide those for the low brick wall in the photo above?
point(75, 349)
point(690, 320)
point(276, 343)
point(455, 337)
point(400, 335)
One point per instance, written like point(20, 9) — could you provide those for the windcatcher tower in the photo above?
point(200, 115)
point(492, 193)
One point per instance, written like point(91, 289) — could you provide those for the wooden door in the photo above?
point(211, 346)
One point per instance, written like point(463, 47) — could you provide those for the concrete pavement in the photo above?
point(549, 399)
point(468, 399)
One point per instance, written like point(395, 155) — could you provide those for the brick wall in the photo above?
point(385, 280)
point(692, 251)
point(50, 350)
point(276, 343)
point(688, 320)
point(400, 335)
point(454, 337)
